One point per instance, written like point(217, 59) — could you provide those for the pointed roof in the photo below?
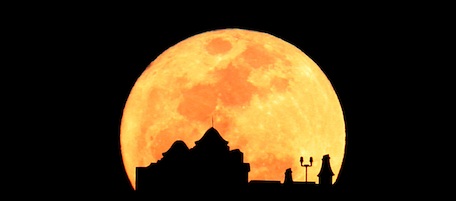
point(325, 167)
point(212, 136)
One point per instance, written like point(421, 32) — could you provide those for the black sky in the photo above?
point(97, 54)
point(127, 47)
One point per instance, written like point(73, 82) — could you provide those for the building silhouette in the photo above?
point(211, 167)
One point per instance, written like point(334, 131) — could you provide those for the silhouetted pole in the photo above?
point(306, 165)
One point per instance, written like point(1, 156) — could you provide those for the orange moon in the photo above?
point(265, 96)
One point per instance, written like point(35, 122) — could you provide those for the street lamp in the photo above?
point(306, 165)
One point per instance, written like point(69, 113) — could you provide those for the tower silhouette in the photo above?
point(326, 173)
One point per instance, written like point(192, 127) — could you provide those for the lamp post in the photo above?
point(306, 165)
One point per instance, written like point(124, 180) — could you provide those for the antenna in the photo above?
point(212, 121)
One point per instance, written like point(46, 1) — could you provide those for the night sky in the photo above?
point(99, 53)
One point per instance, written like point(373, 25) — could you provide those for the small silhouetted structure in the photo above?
point(326, 174)
point(288, 181)
point(301, 160)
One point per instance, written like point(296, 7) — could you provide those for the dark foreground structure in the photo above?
point(211, 169)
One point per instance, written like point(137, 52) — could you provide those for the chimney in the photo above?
point(326, 174)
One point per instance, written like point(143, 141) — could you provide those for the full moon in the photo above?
point(264, 95)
